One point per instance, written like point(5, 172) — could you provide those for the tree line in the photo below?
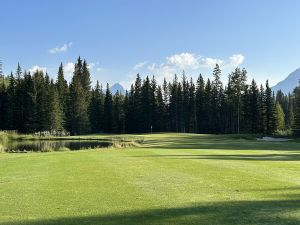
point(35, 102)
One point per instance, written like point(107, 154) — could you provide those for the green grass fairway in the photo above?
point(171, 179)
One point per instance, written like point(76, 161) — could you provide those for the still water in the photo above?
point(46, 146)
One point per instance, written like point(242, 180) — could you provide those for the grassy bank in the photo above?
point(169, 179)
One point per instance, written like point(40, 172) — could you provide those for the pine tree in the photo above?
point(217, 88)
point(200, 103)
point(270, 110)
point(146, 106)
point(238, 81)
point(153, 103)
point(3, 102)
point(254, 107)
point(137, 122)
point(118, 122)
point(296, 123)
point(180, 110)
point(63, 93)
point(192, 108)
point(19, 92)
point(86, 81)
point(173, 105)
point(207, 117)
point(185, 104)
point(11, 104)
point(129, 110)
point(261, 110)
point(283, 100)
point(160, 118)
point(108, 117)
point(280, 117)
point(78, 118)
point(96, 109)
point(55, 109)
point(290, 118)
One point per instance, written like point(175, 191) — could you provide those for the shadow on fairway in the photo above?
point(273, 212)
point(219, 142)
point(246, 157)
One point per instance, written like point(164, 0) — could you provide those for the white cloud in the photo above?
point(151, 67)
point(69, 68)
point(190, 62)
point(63, 48)
point(183, 60)
point(35, 68)
point(139, 65)
point(236, 60)
point(210, 62)
point(163, 71)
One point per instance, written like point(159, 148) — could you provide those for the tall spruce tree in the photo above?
point(270, 110)
point(11, 104)
point(280, 117)
point(238, 81)
point(207, 117)
point(192, 108)
point(129, 111)
point(146, 106)
point(296, 122)
point(216, 93)
point(185, 104)
point(2, 105)
point(108, 116)
point(290, 118)
point(160, 118)
point(78, 119)
point(19, 95)
point(200, 103)
point(137, 122)
point(29, 102)
point(118, 123)
point(254, 107)
point(173, 105)
point(96, 109)
point(55, 109)
point(63, 93)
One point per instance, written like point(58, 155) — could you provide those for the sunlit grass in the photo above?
point(167, 179)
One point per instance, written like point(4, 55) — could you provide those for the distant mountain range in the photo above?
point(117, 87)
point(289, 83)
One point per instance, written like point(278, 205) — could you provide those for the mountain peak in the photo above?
point(289, 83)
point(117, 87)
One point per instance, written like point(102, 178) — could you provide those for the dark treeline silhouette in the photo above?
point(34, 102)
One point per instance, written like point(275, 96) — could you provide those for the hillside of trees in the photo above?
point(34, 102)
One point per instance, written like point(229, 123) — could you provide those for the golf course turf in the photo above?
point(169, 179)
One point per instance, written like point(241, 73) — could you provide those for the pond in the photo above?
point(61, 145)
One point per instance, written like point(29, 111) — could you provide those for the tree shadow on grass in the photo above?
point(246, 157)
point(219, 142)
point(268, 212)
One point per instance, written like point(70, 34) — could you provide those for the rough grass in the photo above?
point(169, 179)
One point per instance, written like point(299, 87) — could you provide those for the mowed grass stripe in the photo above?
point(230, 175)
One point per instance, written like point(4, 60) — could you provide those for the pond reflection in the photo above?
point(46, 146)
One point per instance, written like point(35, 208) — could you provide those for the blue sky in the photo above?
point(120, 38)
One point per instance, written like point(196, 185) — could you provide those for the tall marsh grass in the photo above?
point(6, 136)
